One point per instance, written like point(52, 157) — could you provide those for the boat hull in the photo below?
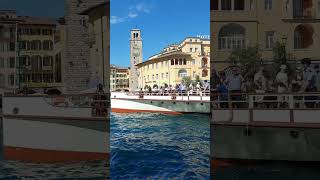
point(43, 133)
point(159, 106)
point(236, 142)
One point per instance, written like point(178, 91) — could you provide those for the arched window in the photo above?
point(182, 73)
point(303, 36)
point(204, 73)
point(232, 36)
point(204, 62)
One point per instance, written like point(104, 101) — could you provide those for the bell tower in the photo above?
point(135, 58)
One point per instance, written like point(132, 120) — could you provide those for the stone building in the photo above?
point(243, 23)
point(119, 78)
point(8, 39)
point(135, 58)
point(29, 55)
point(99, 38)
point(77, 51)
point(190, 58)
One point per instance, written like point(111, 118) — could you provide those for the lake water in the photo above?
point(158, 146)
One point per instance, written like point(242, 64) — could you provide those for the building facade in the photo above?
point(190, 58)
point(135, 58)
point(77, 51)
point(99, 38)
point(248, 23)
point(29, 56)
point(8, 39)
point(119, 78)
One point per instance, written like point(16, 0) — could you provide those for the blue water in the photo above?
point(28, 171)
point(157, 146)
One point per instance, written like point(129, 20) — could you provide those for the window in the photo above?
point(157, 77)
point(204, 73)
point(238, 4)
point(11, 79)
point(23, 45)
point(152, 77)
point(47, 32)
point(225, 4)
point(47, 45)
point(251, 5)
point(35, 45)
point(193, 61)
point(184, 62)
point(12, 62)
point(182, 73)
point(214, 5)
point(195, 49)
point(2, 81)
point(162, 75)
point(167, 75)
point(12, 46)
point(172, 62)
point(267, 4)
point(35, 31)
point(1, 62)
point(180, 61)
point(232, 36)
point(190, 49)
point(303, 36)
point(269, 39)
point(176, 62)
point(47, 60)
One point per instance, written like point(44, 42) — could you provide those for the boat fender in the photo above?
point(15, 110)
point(294, 134)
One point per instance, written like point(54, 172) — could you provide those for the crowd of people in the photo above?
point(305, 78)
point(193, 88)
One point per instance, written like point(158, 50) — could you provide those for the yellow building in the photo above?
point(244, 23)
point(189, 58)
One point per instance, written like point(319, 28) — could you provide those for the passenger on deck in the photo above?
point(297, 86)
point(282, 83)
point(234, 83)
point(223, 94)
point(198, 88)
point(308, 72)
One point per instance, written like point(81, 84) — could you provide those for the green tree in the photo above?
point(247, 59)
point(198, 79)
point(187, 80)
point(280, 53)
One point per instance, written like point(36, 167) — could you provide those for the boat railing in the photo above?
point(265, 100)
point(173, 93)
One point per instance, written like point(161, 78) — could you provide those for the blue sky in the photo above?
point(162, 22)
point(47, 8)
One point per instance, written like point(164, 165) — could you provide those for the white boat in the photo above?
point(64, 128)
point(265, 127)
point(155, 102)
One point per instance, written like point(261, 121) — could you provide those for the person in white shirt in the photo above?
point(259, 80)
point(282, 79)
point(198, 87)
point(234, 84)
point(308, 71)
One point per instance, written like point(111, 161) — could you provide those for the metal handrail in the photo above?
point(261, 101)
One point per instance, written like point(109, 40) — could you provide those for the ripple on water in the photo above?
point(160, 146)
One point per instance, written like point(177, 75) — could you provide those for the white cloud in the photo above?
point(143, 7)
point(134, 12)
point(116, 19)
